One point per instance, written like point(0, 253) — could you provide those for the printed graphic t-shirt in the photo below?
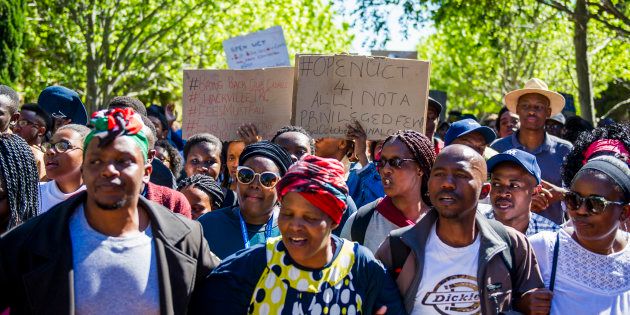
point(449, 279)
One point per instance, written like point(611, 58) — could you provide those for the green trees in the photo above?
point(11, 35)
point(106, 48)
point(482, 49)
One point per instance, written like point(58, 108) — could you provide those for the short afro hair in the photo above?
point(127, 101)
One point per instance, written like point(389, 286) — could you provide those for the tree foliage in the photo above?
point(11, 36)
point(482, 49)
point(140, 47)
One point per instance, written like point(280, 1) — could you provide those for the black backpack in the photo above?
point(361, 221)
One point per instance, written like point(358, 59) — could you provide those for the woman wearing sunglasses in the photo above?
point(587, 266)
point(404, 164)
point(308, 270)
point(261, 165)
point(63, 158)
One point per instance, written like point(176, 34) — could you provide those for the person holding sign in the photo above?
point(404, 165)
point(254, 220)
point(308, 270)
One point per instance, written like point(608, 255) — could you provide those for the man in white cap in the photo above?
point(534, 104)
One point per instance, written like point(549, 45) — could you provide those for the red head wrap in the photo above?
point(605, 145)
point(319, 180)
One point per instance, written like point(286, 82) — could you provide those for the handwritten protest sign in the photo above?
point(220, 101)
point(384, 95)
point(262, 49)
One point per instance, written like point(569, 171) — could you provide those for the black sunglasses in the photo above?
point(246, 175)
point(594, 204)
point(393, 162)
point(61, 146)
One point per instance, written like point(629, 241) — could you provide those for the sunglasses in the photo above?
point(394, 162)
point(60, 147)
point(246, 175)
point(594, 204)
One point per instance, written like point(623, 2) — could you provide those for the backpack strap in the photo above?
point(361, 221)
point(508, 253)
point(554, 263)
point(399, 251)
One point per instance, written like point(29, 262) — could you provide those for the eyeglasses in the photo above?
point(246, 175)
point(60, 147)
point(393, 162)
point(594, 204)
point(23, 123)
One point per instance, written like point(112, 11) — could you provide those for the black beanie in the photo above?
point(614, 168)
point(269, 150)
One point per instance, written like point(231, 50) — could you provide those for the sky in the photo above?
point(397, 42)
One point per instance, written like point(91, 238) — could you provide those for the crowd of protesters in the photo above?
point(115, 213)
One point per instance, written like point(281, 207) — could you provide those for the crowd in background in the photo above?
point(116, 213)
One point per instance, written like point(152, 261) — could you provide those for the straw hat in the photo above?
point(537, 86)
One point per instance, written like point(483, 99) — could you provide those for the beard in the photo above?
point(111, 206)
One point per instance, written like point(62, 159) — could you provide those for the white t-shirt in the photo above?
point(50, 195)
point(586, 282)
point(449, 279)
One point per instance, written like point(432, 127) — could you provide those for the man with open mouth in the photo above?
point(455, 260)
point(515, 179)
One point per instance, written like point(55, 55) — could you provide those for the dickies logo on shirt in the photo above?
point(457, 294)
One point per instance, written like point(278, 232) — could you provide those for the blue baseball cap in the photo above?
point(61, 102)
point(520, 157)
point(466, 126)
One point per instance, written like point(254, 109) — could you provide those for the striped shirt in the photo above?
point(537, 223)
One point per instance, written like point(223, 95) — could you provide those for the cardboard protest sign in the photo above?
point(262, 49)
point(220, 101)
point(384, 95)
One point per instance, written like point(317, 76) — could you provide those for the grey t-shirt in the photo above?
point(113, 275)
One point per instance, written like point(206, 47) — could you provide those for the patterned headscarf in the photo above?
point(113, 123)
point(320, 181)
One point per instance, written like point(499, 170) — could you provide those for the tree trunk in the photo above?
point(580, 42)
point(91, 93)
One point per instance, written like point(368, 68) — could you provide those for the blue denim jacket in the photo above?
point(364, 184)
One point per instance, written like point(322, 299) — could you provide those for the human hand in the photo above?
point(357, 134)
point(249, 134)
point(170, 113)
point(381, 311)
point(557, 193)
point(540, 200)
point(535, 301)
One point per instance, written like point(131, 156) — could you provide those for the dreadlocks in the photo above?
point(299, 129)
point(423, 152)
point(574, 160)
point(207, 184)
point(20, 177)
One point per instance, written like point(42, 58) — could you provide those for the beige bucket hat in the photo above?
point(556, 101)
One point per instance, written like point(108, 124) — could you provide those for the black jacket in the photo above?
point(36, 275)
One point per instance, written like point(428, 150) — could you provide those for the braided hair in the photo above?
point(573, 160)
point(19, 174)
point(206, 184)
point(423, 153)
point(299, 129)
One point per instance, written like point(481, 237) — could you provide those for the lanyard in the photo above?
point(244, 229)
